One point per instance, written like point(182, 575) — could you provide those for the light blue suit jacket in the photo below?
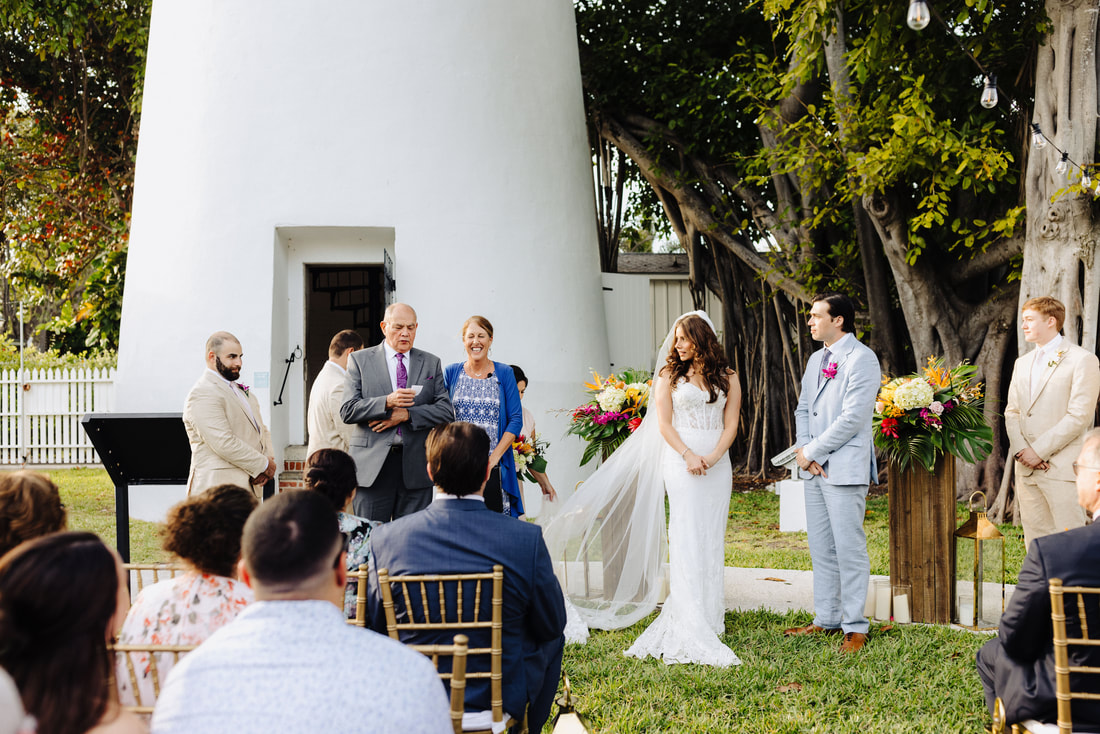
point(833, 419)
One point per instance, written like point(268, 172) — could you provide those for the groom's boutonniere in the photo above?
point(1057, 357)
point(244, 387)
point(829, 371)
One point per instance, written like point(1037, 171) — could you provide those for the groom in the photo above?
point(837, 459)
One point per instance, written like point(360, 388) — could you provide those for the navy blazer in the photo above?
point(1026, 633)
point(465, 536)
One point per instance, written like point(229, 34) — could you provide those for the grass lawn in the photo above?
point(89, 498)
point(910, 678)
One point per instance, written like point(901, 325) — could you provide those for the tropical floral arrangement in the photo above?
point(616, 409)
point(530, 456)
point(941, 410)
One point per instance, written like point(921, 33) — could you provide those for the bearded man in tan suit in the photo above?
point(327, 429)
point(1051, 404)
point(229, 442)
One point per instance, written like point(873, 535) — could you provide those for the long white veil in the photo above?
point(608, 541)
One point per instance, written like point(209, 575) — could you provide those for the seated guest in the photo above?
point(290, 662)
point(30, 506)
point(62, 598)
point(457, 533)
point(204, 532)
point(1018, 664)
point(332, 473)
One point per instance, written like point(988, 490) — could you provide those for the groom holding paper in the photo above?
point(837, 461)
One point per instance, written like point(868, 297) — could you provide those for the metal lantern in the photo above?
point(568, 721)
point(979, 569)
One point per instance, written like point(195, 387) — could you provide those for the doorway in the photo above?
point(341, 297)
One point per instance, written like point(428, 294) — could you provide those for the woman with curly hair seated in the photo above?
point(204, 532)
point(30, 507)
point(62, 598)
point(332, 473)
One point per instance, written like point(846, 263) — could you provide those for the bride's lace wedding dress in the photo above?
point(687, 629)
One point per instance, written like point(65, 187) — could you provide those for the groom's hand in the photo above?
point(806, 465)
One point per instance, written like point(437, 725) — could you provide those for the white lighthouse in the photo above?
point(301, 164)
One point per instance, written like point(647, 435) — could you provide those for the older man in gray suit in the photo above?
point(394, 395)
point(837, 459)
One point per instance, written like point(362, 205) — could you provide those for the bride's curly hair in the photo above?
point(708, 352)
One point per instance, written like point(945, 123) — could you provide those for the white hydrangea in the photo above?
point(641, 387)
point(521, 462)
point(611, 399)
point(916, 393)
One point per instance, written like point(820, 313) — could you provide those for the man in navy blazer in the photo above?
point(457, 533)
point(1018, 664)
point(837, 462)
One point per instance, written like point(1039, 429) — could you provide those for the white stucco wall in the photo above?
point(449, 133)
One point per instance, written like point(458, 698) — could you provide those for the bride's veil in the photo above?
point(609, 542)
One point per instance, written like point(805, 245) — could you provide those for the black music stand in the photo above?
point(138, 448)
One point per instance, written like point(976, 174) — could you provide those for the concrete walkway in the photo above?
point(781, 590)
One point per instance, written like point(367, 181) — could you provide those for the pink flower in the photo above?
point(936, 407)
point(829, 371)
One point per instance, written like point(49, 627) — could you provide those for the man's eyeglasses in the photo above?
point(1077, 466)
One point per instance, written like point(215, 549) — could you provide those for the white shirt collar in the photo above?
point(390, 351)
point(440, 496)
point(1051, 346)
point(840, 342)
point(337, 366)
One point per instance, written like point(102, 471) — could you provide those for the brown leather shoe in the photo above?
point(853, 642)
point(810, 629)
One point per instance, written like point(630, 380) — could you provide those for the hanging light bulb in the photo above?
point(1063, 165)
point(1038, 140)
point(989, 92)
point(919, 17)
point(1096, 191)
point(1086, 182)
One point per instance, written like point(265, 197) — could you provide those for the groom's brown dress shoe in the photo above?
point(853, 642)
point(810, 629)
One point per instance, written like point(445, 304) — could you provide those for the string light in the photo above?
point(919, 17)
point(1063, 164)
point(989, 93)
point(1038, 140)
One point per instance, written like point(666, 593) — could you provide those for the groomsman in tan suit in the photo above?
point(327, 429)
point(229, 442)
point(1051, 404)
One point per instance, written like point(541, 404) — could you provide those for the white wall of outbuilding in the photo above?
point(278, 133)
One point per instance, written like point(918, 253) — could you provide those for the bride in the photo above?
point(610, 535)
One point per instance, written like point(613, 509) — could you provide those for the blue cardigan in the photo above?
point(511, 419)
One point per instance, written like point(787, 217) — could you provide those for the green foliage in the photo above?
point(52, 358)
point(72, 74)
point(946, 417)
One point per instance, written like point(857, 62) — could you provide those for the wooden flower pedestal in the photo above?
point(922, 549)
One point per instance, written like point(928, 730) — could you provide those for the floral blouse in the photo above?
point(357, 530)
point(184, 610)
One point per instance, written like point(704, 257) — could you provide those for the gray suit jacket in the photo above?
point(365, 389)
point(833, 418)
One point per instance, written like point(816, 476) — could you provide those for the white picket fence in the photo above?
point(40, 414)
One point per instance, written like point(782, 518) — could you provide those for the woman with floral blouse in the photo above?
point(204, 532)
point(332, 473)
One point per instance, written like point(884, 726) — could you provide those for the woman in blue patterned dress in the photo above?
point(332, 473)
point(484, 393)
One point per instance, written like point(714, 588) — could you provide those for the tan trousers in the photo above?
point(1047, 505)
